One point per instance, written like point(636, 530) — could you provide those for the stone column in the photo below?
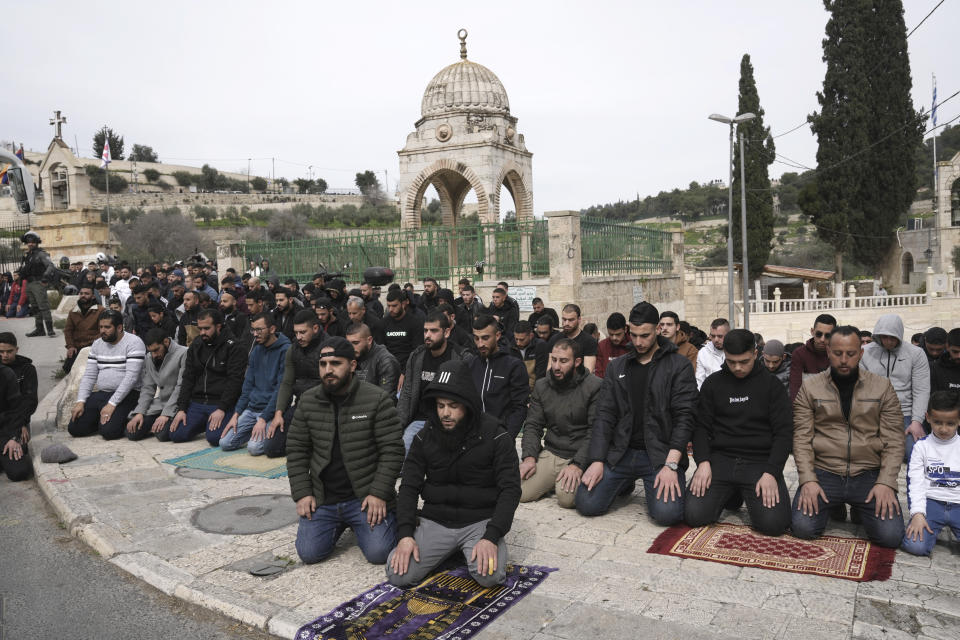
point(776, 299)
point(852, 290)
point(566, 272)
point(677, 245)
point(929, 280)
point(230, 254)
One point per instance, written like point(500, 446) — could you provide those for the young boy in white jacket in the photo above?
point(933, 477)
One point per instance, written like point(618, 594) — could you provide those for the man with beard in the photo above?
point(614, 345)
point(429, 299)
point(540, 311)
point(82, 326)
point(175, 305)
point(669, 328)
point(212, 379)
point(301, 372)
point(256, 302)
point(138, 312)
point(741, 440)
point(26, 373)
point(458, 335)
point(564, 404)
point(234, 320)
point(344, 454)
point(187, 330)
point(324, 309)
point(162, 371)
point(848, 445)
point(14, 455)
point(464, 465)
point(934, 343)
point(359, 314)
point(945, 372)
point(644, 422)
point(375, 364)
point(229, 285)
point(571, 325)
point(811, 358)
point(524, 348)
point(256, 405)
point(403, 330)
point(114, 366)
point(500, 378)
point(421, 370)
point(370, 300)
point(34, 269)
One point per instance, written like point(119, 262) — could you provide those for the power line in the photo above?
point(919, 24)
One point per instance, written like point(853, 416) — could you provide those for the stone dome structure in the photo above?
point(466, 140)
point(465, 86)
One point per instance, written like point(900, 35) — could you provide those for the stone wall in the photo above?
point(705, 295)
point(602, 295)
point(795, 326)
point(186, 200)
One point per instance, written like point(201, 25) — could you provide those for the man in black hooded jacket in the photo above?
point(644, 422)
point(464, 465)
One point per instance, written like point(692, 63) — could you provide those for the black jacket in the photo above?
point(239, 325)
point(944, 374)
point(509, 316)
point(213, 374)
point(301, 371)
point(285, 321)
point(477, 480)
point(11, 406)
point(27, 381)
point(669, 407)
point(748, 418)
point(504, 387)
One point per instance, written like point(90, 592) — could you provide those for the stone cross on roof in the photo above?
point(57, 121)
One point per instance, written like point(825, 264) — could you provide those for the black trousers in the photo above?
point(145, 427)
point(730, 477)
point(17, 470)
point(89, 421)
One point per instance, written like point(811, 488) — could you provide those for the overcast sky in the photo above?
point(612, 97)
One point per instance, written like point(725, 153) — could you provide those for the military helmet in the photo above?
point(30, 236)
point(64, 262)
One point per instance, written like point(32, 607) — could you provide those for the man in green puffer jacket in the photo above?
point(344, 453)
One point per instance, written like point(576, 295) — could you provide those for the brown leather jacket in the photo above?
point(822, 437)
point(82, 328)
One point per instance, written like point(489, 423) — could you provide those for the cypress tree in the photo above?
point(841, 127)
point(760, 153)
point(895, 130)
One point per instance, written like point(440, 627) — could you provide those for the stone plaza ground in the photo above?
point(139, 513)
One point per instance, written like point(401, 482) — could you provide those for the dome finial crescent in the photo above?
point(462, 34)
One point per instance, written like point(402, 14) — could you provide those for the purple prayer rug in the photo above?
point(449, 605)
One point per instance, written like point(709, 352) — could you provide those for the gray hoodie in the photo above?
point(160, 388)
point(906, 366)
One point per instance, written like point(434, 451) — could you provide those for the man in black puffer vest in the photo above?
point(464, 465)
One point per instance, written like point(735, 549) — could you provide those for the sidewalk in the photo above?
point(137, 513)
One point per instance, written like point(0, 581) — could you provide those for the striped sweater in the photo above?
point(113, 367)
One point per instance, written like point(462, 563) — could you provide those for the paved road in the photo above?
point(53, 586)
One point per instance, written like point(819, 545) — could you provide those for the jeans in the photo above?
point(851, 490)
point(238, 437)
point(436, 542)
point(13, 311)
point(145, 428)
point(735, 476)
point(197, 416)
point(89, 421)
point(634, 464)
point(939, 515)
point(317, 535)
point(410, 432)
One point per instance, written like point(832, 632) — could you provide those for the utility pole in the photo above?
point(273, 173)
point(248, 175)
point(745, 273)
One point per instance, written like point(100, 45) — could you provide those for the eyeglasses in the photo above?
point(822, 334)
point(257, 329)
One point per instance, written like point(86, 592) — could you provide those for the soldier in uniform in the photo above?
point(37, 269)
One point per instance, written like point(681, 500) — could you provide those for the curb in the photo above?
point(76, 515)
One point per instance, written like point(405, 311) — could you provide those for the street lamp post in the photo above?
point(743, 117)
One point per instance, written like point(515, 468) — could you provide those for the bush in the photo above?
point(258, 184)
point(152, 175)
point(98, 179)
point(183, 178)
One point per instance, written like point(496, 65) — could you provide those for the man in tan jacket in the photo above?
point(82, 326)
point(848, 444)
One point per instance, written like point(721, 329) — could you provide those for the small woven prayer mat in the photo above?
point(448, 605)
point(830, 556)
point(239, 462)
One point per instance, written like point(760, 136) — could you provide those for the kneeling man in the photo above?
point(344, 453)
point(564, 403)
point(464, 465)
point(848, 444)
point(741, 440)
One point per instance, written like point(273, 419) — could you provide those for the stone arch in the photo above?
point(512, 176)
point(955, 203)
point(452, 180)
point(906, 267)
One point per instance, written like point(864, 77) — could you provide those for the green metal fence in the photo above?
point(610, 248)
point(509, 250)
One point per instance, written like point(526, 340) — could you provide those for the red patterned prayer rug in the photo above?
point(830, 556)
